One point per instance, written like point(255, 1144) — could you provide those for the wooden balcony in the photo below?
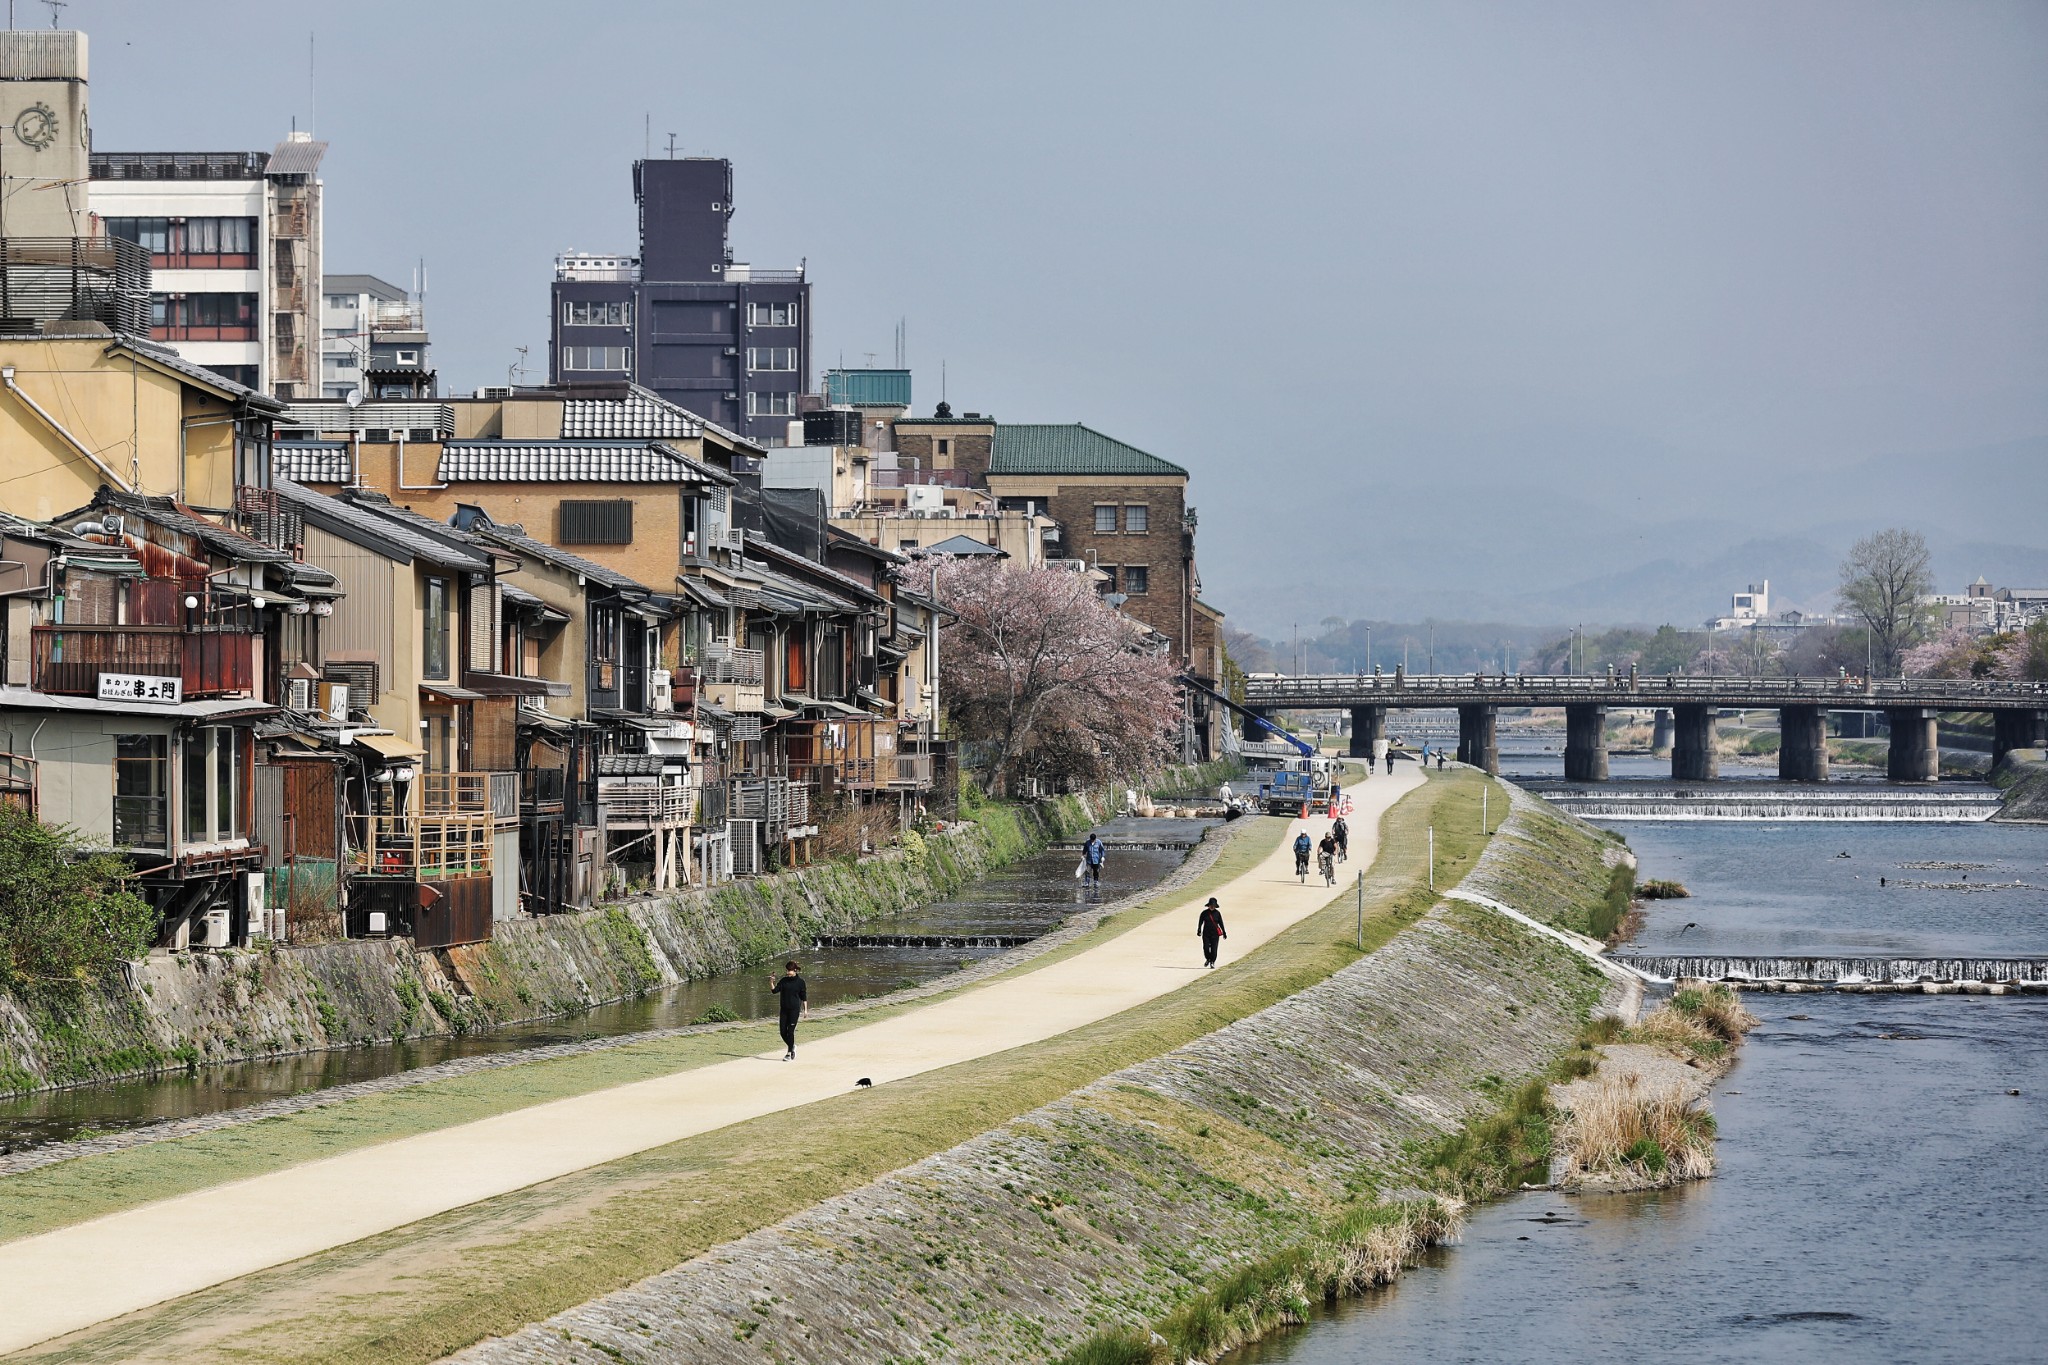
point(645, 807)
point(890, 772)
point(68, 660)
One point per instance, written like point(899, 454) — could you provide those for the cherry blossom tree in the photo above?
point(1060, 685)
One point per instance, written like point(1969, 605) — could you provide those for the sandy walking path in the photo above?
point(74, 1277)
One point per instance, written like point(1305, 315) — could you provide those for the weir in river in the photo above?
point(1756, 801)
point(1910, 971)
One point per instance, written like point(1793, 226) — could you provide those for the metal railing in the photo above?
point(96, 279)
point(18, 782)
point(917, 478)
point(725, 664)
point(68, 660)
point(1622, 689)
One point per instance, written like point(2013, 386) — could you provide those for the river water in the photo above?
point(1028, 898)
point(1880, 1193)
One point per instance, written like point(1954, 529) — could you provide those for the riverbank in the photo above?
point(1175, 1194)
point(192, 1009)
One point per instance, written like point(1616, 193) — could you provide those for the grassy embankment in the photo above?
point(520, 1258)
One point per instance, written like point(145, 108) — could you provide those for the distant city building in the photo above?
point(234, 239)
point(722, 339)
point(373, 340)
point(1985, 610)
point(1745, 608)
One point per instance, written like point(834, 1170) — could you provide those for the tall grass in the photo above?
point(1606, 919)
point(1367, 1247)
point(1641, 1132)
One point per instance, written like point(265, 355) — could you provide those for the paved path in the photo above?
point(71, 1278)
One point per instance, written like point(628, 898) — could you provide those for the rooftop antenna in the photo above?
point(516, 368)
point(55, 7)
point(942, 381)
point(312, 87)
point(671, 146)
point(647, 136)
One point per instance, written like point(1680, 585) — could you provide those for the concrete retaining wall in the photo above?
point(189, 1008)
point(1114, 1205)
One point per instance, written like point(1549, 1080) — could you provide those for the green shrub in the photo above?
point(64, 912)
point(717, 1014)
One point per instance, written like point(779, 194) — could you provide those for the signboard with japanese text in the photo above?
point(142, 688)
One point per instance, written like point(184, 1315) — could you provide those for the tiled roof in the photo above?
point(169, 512)
point(310, 461)
point(369, 523)
point(1068, 448)
point(963, 545)
point(640, 413)
point(169, 359)
point(571, 462)
point(515, 539)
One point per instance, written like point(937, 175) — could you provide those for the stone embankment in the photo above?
point(1126, 1201)
point(196, 1008)
point(2023, 774)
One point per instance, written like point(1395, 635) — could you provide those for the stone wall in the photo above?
point(192, 1008)
point(1113, 1206)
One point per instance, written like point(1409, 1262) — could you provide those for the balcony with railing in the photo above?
point(890, 772)
point(68, 660)
point(645, 806)
point(900, 477)
point(444, 832)
point(731, 678)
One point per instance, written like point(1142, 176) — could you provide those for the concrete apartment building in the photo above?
point(234, 241)
point(373, 341)
point(724, 340)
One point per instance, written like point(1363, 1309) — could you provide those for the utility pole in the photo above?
point(1361, 912)
point(1432, 857)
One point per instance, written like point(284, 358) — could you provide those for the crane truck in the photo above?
point(1293, 788)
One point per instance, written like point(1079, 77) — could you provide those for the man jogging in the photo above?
point(796, 1003)
point(1092, 854)
point(1210, 927)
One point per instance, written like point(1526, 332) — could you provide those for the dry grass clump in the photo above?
point(1635, 1134)
point(1662, 889)
point(1717, 1009)
point(1703, 1022)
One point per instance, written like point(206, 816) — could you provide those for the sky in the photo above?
point(1533, 311)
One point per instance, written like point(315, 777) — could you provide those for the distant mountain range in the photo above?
point(1609, 546)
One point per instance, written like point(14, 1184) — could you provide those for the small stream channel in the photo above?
point(1027, 899)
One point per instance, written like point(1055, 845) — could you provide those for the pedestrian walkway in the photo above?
point(74, 1277)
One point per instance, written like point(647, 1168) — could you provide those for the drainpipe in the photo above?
point(411, 487)
point(106, 472)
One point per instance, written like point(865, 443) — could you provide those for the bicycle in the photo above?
point(1329, 869)
point(1301, 867)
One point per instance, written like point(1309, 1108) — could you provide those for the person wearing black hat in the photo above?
point(1210, 927)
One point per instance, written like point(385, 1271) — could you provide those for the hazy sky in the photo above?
point(1314, 252)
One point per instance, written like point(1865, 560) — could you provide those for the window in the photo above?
point(775, 358)
point(202, 317)
point(597, 523)
point(597, 313)
point(211, 778)
point(406, 357)
point(437, 737)
point(434, 651)
point(1137, 519)
point(1137, 580)
point(1105, 519)
point(945, 446)
point(345, 360)
point(771, 405)
point(141, 791)
point(771, 315)
point(216, 243)
point(597, 357)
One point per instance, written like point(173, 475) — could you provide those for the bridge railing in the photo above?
point(1517, 689)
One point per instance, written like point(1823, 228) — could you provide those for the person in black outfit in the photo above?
point(796, 1002)
point(1210, 927)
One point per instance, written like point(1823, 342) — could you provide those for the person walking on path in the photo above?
point(1092, 853)
point(1210, 927)
point(1439, 760)
point(796, 1003)
point(1390, 761)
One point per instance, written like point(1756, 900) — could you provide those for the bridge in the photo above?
point(1688, 706)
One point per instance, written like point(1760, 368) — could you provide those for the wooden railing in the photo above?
point(68, 660)
point(647, 806)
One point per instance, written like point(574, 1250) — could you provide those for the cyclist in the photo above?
point(1326, 859)
point(1303, 846)
point(1342, 832)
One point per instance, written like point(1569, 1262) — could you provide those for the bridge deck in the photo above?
point(1403, 691)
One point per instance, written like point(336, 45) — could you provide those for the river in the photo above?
point(1879, 1196)
point(1028, 898)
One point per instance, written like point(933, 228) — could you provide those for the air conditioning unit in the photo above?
point(495, 391)
point(211, 929)
point(744, 840)
point(259, 914)
point(299, 694)
point(661, 685)
point(334, 700)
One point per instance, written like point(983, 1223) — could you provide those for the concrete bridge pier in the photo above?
point(1478, 743)
point(2017, 730)
point(1915, 750)
point(1248, 728)
point(1585, 744)
point(1368, 731)
point(1693, 758)
point(1660, 733)
point(1803, 747)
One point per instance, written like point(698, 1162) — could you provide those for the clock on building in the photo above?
point(36, 125)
